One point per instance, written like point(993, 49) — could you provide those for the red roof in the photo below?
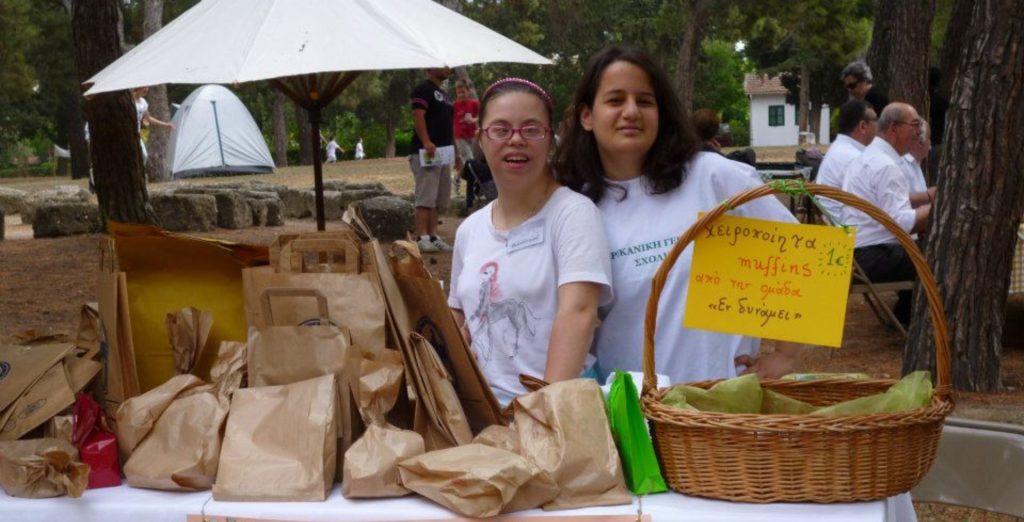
point(762, 84)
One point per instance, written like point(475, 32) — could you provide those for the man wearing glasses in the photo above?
point(859, 83)
point(877, 177)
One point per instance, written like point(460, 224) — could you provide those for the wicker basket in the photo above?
point(798, 458)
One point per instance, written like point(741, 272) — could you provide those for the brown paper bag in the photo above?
point(288, 354)
point(564, 430)
point(440, 417)
point(88, 338)
point(353, 296)
point(122, 381)
point(136, 417)
point(59, 427)
point(182, 450)
point(501, 437)
point(22, 366)
point(49, 396)
point(280, 443)
point(478, 481)
point(41, 468)
point(426, 306)
point(370, 467)
point(188, 329)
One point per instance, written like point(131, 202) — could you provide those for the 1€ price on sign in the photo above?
point(770, 279)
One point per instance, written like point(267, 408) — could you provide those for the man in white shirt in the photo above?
point(857, 127)
point(877, 177)
point(912, 160)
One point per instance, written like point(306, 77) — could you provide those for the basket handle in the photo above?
point(925, 274)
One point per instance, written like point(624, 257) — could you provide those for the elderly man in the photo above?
point(857, 127)
point(912, 160)
point(877, 177)
point(860, 84)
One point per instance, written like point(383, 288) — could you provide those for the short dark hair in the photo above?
point(852, 113)
point(706, 122)
point(577, 161)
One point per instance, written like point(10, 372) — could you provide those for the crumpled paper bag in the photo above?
point(280, 443)
point(499, 436)
point(136, 416)
point(370, 466)
point(182, 451)
point(188, 329)
point(563, 430)
point(42, 468)
point(478, 481)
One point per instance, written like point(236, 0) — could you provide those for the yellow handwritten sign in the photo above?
point(769, 279)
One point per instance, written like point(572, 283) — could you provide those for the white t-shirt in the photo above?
point(915, 176)
point(141, 106)
point(332, 150)
point(506, 283)
point(877, 177)
point(642, 228)
point(359, 150)
point(842, 151)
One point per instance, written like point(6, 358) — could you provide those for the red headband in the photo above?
point(521, 81)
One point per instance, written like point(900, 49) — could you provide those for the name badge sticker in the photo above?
point(525, 236)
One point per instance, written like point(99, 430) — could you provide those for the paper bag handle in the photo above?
point(347, 250)
point(321, 302)
point(409, 246)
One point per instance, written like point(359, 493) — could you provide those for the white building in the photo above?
point(773, 122)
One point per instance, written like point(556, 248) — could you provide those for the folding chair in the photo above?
point(978, 465)
point(862, 285)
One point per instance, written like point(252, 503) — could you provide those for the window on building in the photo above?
point(776, 115)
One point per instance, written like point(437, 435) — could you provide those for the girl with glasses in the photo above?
point(530, 269)
point(629, 147)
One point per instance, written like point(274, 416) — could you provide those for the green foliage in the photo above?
point(719, 80)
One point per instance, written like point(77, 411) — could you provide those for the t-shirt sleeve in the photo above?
point(458, 250)
point(581, 248)
point(421, 97)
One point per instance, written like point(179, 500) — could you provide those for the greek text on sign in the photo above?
point(770, 279)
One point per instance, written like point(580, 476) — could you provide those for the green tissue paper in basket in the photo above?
point(745, 395)
point(643, 475)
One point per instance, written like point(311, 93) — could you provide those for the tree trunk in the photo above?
point(305, 137)
point(280, 129)
point(115, 152)
point(689, 51)
point(898, 55)
point(389, 135)
point(953, 45)
point(805, 91)
point(71, 111)
point(159, 137)
point(973, 226)
point(815, 122)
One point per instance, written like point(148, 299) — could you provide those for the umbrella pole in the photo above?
point(318, 170)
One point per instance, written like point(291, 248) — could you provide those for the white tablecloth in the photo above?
point(125, 504)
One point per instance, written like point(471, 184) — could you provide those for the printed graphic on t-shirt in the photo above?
point(498, 324)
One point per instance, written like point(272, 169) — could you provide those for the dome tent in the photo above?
point(215, 134)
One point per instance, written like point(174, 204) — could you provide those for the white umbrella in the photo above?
point(309, 49)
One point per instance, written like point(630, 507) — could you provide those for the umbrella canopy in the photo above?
point(235, 41)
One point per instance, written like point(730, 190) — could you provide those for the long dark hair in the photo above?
point(577, 162)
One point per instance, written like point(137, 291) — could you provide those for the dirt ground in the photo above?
point(44, 282)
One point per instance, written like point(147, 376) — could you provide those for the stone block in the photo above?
point(274, 216)
point(185, 212)
point(233, 211)
point(12, 200)
point(333, 208)
point(65, 218)
point(295, 204)
point(389, 217)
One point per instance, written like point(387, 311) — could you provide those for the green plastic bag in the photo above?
point(643, 475)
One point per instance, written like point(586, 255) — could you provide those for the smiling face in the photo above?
point(516, 162)
point(624, 116)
